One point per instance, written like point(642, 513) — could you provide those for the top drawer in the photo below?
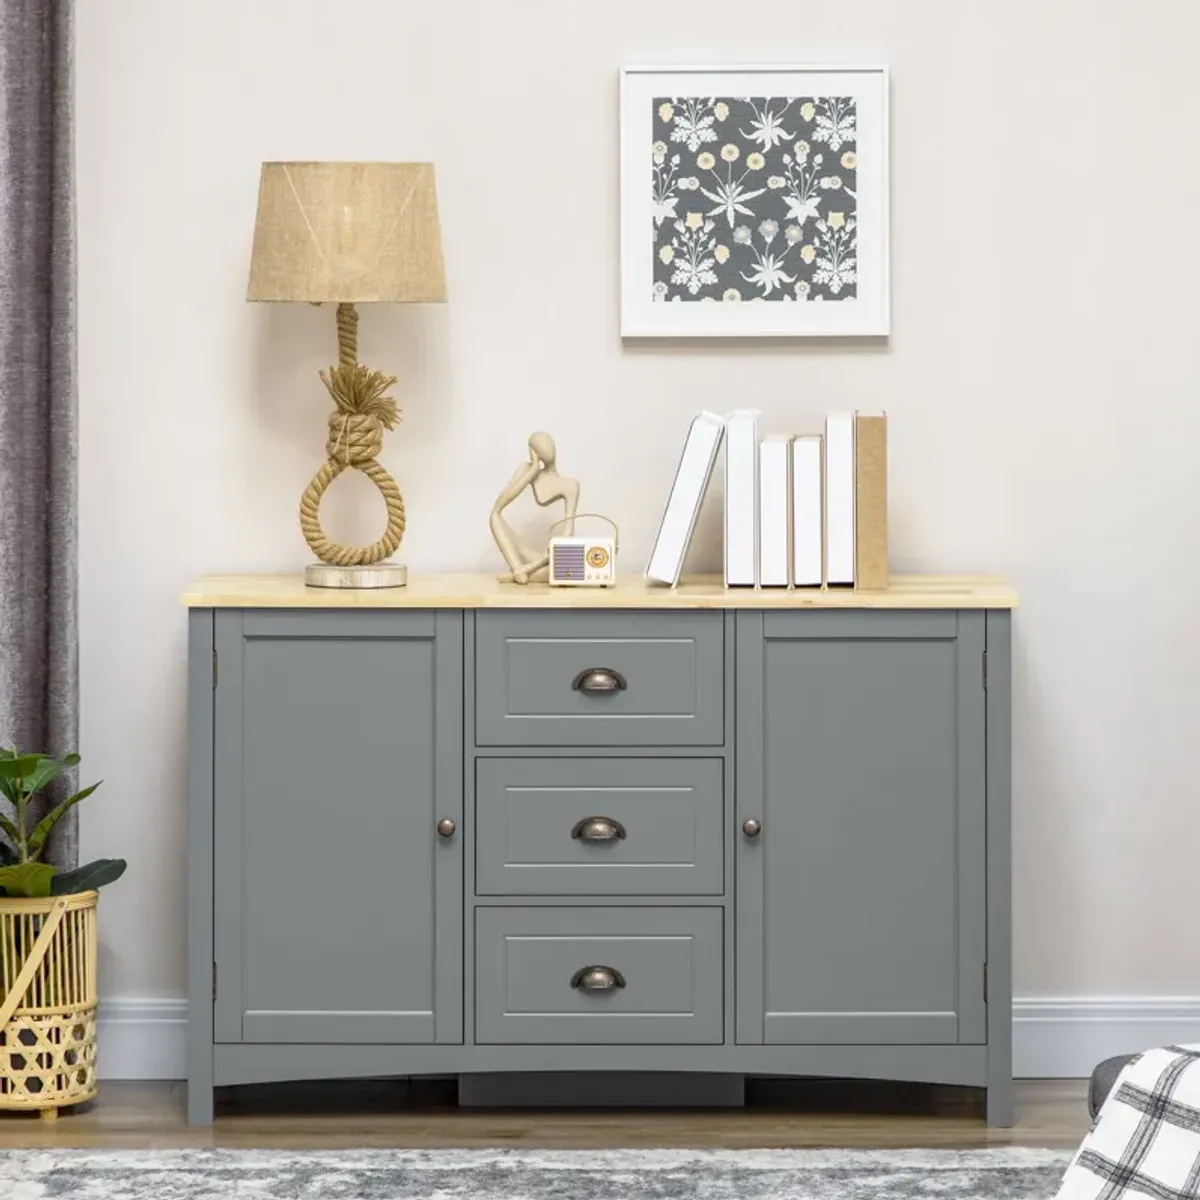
point(599, 679)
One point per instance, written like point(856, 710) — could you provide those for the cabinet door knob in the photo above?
point(446, 828)
point(598, 829)
point(597, 979)
point(751, 828)
point(599, 681)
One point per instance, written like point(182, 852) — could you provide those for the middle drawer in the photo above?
point(599, 827)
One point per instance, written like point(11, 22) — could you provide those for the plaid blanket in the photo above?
point(1146, 1141)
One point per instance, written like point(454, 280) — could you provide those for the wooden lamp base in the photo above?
point(374, 575)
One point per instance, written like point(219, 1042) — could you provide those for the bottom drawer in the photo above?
point(599, 976)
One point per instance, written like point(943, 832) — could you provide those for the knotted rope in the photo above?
point(355, 439)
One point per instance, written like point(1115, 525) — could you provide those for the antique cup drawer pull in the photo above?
point(598, 979)
point(599, 681)
point(598, 829)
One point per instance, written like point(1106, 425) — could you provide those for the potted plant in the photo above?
point(47, 946)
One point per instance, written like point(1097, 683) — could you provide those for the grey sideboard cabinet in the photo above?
point(466, 828)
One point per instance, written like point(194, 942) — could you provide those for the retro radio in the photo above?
point(583, 561)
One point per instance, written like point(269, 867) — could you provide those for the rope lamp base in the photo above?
point(356, 426)
point(374, 575)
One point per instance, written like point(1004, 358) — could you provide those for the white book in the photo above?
point(741, 498)
point(839, 499)
point(773, 514)
point(687, 494)
point(807, 516)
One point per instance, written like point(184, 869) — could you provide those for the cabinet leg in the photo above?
point(1000, 1104)
point(199, 1104)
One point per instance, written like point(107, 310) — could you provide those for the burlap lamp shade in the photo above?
point(350, 233)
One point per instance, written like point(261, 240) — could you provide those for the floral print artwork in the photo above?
point(755, 198)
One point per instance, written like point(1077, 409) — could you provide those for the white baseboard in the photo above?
point(1064, 1037)
point(141, 1037)
point(1060, 1037)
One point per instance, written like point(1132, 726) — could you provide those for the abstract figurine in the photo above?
point(532, 564)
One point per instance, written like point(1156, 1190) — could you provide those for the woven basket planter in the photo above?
point(47, 1002)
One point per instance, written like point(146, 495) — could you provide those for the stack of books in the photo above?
point(804, 511)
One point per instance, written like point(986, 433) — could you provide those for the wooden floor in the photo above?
point(1050, 1114)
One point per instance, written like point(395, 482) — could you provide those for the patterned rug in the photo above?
point(532, 1175)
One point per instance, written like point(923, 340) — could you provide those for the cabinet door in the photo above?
point(337, 907)
point(861, 903)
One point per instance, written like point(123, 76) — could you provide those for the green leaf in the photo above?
point(49, 769)
point(20, 768)
point(41, 831)
point(15, 771)
point(10, 830)
point(89, 877)
point(27, 879)
point(6, 788)
point(46, 771)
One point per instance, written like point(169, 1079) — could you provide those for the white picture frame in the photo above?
point(848, 296)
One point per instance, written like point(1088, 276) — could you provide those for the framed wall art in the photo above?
point(754, 202)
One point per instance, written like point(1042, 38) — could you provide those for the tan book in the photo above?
point(870, 502)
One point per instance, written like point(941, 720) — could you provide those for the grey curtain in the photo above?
point(39, 677)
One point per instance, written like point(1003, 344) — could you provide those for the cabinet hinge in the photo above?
point(214, 981)
point(214, 670)
point(985, 983)
point(985, 670)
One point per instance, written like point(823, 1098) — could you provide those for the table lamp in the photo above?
point(350, 233)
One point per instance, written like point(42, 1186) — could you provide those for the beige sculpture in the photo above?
point(540, 475)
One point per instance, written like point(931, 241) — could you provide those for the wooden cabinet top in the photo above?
point(485, 591)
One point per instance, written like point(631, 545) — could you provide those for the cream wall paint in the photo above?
point(1041, 379)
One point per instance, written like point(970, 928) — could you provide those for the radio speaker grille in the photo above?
point(568, 562)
